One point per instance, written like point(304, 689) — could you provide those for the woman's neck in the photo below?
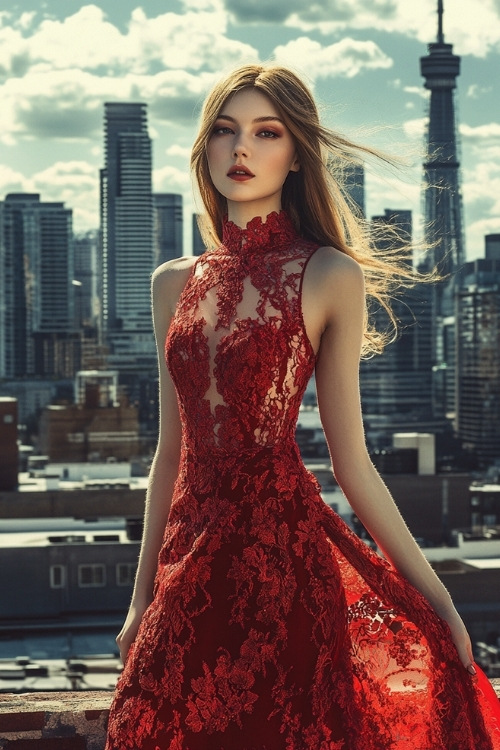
point(242, 213)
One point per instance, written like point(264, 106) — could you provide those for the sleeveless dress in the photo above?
point(273, 626)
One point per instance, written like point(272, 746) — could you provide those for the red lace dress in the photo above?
point(273, 627)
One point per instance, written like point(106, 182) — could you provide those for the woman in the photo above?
point(259, 621)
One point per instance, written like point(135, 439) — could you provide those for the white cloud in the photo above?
point(58, 73)
point(329, 15)
point(487, 152)
point(176, 150)
point(26, 19)
point(175, 95)
point(66, 177)
point(481, 185)
point(415, 128)
point(189, 41)
point(417, 91)
point(480, 132)
point(68, 103)
point(83, 40)
point(14, 52)
point(214, 5)
point(475, 29)
point(170, 179)
point(476, 232)
point(346, 58)
point(86, 40)
point(475, 91)
point(60, 104)
point(84, 218)
point(400, 190)
point(76, 183)
point(12, 181)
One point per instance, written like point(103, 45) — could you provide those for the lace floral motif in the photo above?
point(273, 626)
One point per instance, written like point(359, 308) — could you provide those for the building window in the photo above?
point(91, 576)
point(476, 519)
point(125, 574)
point(57, 576)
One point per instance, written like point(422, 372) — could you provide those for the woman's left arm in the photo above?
point(341, 295)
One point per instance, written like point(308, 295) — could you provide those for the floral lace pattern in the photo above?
point(273, 627)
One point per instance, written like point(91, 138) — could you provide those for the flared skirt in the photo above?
point(274, 627)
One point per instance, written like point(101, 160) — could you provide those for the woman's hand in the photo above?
point(128, 633)
point(461, 639)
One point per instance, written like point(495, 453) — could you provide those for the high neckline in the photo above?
point(275, 232)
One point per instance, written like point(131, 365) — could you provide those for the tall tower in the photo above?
point(127, 237)
point(443, 210)
point(443, 203)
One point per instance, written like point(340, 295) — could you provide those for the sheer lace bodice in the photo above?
point(238, 349)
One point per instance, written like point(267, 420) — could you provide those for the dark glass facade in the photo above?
point(168, 227)
point(38, 334)
point(127, 251)
point(478, 359)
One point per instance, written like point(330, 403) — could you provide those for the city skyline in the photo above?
point(61, 61)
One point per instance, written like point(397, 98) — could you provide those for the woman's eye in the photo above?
point(268, 134)
point(222, 130)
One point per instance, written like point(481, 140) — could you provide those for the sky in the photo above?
point(60, 60)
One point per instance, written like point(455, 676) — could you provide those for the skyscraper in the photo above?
point(57, 342)
point(38, 335)
point(443, 208)
point(168, 227)
point(396, 385)
point(88, 296)
point(478, 358)
point(20, 283)
point(127, 237)
point(85, 247)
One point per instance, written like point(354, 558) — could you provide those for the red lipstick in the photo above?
point(240, 173)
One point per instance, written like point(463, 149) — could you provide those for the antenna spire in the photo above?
point(440, 36)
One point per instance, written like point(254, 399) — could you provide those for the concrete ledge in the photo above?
point(54, 721)
point(61, 721)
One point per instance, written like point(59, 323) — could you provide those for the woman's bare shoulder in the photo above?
point(333, 287)
point(331, 269)
point(170, 278)
point(174, 269)
point(330, 258)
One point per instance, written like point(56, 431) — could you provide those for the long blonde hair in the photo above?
point(314, 197)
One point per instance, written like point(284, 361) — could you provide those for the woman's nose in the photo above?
point(241, 147)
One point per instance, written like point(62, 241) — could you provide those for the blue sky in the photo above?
point(61, 59)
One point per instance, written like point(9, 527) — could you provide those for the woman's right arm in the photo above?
point(167, 284)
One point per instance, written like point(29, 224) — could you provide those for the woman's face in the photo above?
point(250, 154)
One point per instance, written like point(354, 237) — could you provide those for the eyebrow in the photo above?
point(265, 118)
